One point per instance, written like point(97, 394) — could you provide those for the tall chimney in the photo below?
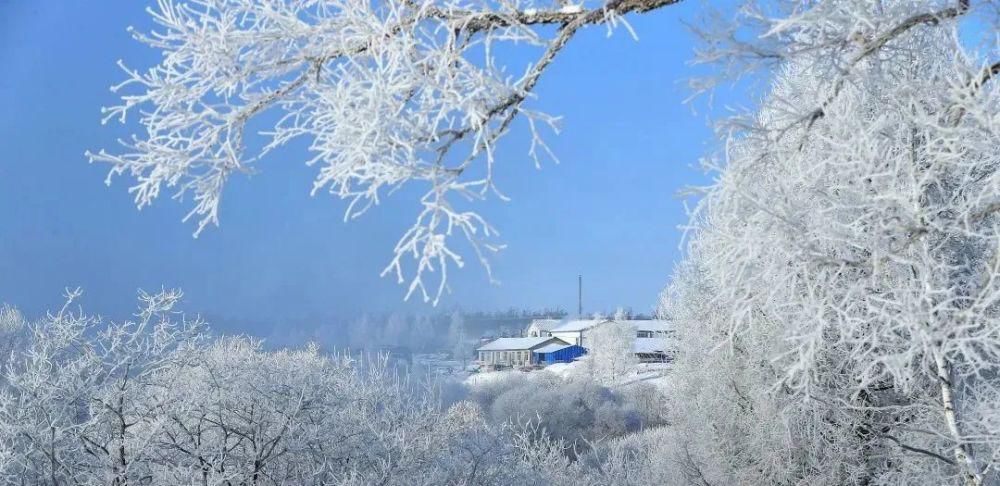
point(579, 296)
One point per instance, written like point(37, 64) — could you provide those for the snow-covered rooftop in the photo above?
point(650, 345)
point(576, 325)
point(544, 324)
point(551, 348)
point(515, 344)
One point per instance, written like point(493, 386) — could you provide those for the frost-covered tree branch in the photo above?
point(386, 94)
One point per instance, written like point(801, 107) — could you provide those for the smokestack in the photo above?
point(579, 296)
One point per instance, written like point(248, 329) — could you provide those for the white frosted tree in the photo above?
point(79, 404)
point(422, 335)
point(385, 93)
point(360, 333)
point(396, 331)
point(850, 245)
point(13, 333)
point(610, 351)
point(457, 339)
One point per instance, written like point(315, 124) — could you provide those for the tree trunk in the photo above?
point(963, 456)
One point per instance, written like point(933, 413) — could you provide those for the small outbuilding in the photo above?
point(558, 353)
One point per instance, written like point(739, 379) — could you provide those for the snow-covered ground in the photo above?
point(652, 373)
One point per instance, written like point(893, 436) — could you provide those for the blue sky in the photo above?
point(609, 211)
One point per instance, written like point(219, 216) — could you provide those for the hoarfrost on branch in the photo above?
point(385, 93)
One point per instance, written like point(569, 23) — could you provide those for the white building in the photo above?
point(652, 343)
point(541, 327)
point(513, 352)
point(572, 331)
point(575, 332)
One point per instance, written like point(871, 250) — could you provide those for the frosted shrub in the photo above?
point(575, 410)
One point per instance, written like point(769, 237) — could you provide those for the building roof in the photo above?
point(650, 345)
point(544, 324)
point(518, 344)
point(652, 325)
point(551, 348)
point(576, 325)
